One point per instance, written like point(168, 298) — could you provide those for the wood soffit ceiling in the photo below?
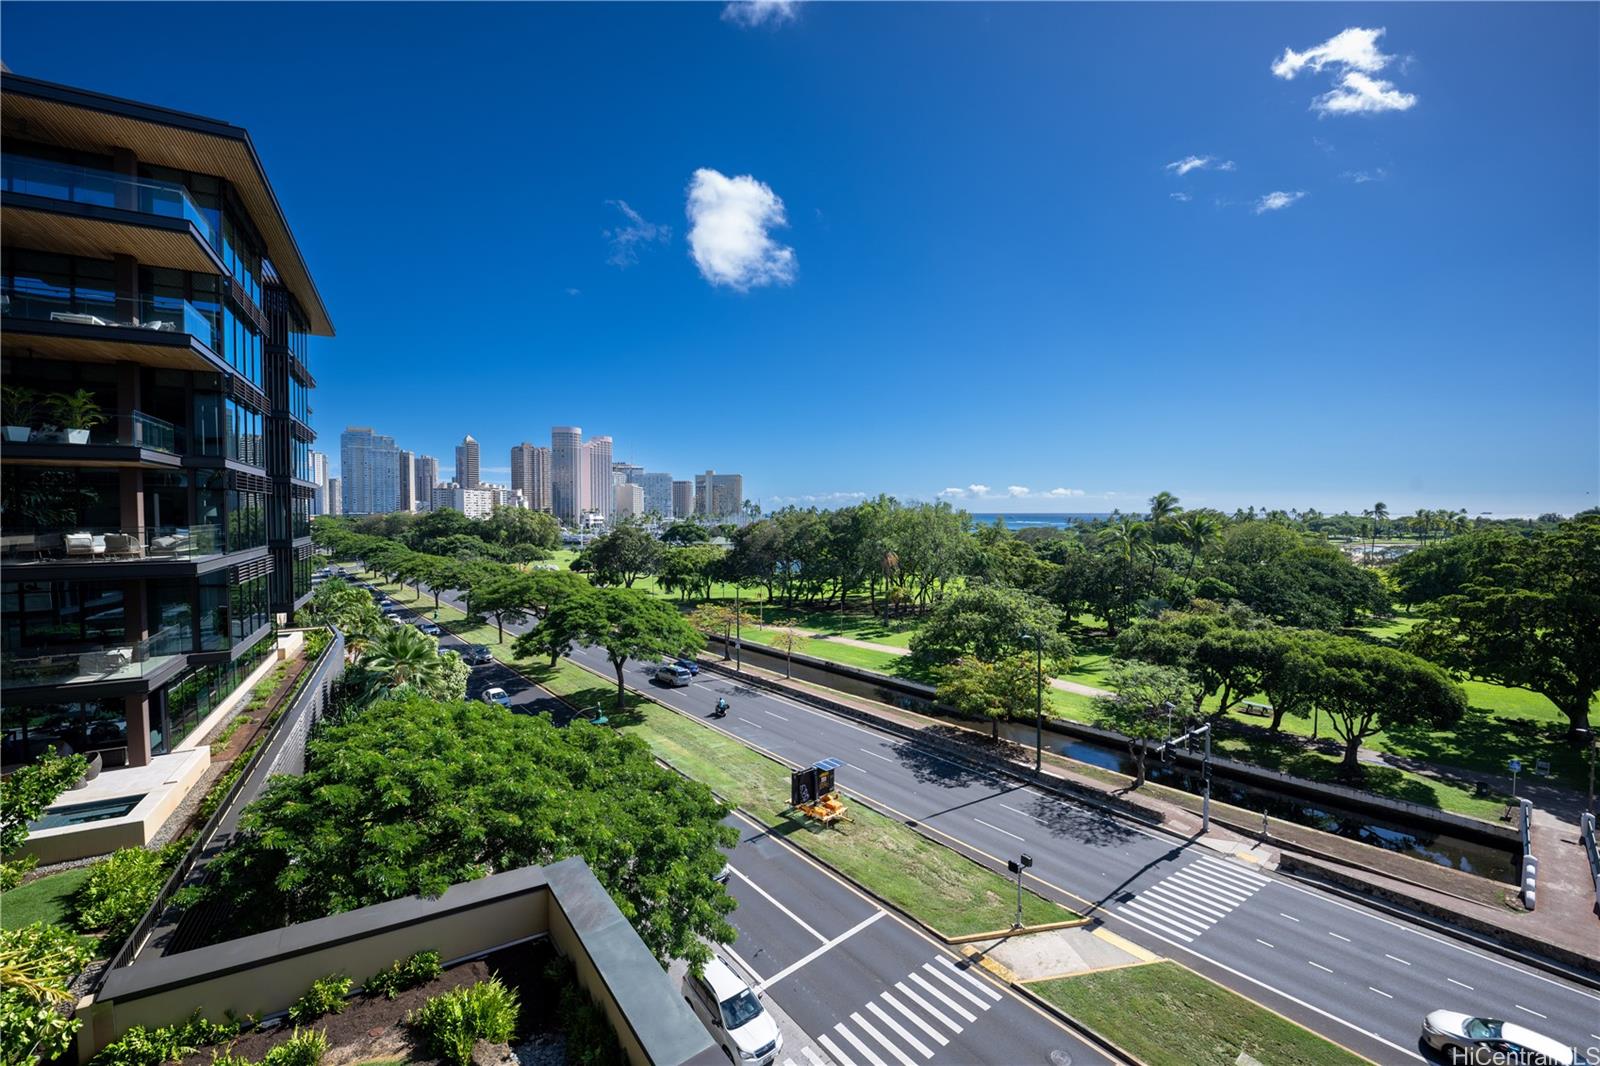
point(166, 138)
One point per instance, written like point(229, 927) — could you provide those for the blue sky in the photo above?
point(934, 248)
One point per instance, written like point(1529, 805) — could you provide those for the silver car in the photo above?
point(1466, 1039)
point(673, 676)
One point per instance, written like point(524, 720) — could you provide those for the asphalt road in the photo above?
point(1360, 977)
point(864, 985)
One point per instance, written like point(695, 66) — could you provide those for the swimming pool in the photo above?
point(81, 813)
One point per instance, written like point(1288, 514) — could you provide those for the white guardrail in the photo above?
point(1530, 862)
point(1593, 852)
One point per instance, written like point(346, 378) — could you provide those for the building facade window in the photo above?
point(245, 442)
point(78, 727)
point(38, 616)
point(247, 519)
point(241, 346)
point(241, 258)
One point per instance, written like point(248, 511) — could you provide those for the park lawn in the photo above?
point(1168, 1015)
point(42, 900)
point(896, 632)
point(927, 880)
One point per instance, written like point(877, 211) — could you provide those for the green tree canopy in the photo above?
point(1142, 707)
point(518, 526)
point(1526, 615)
point(1364, 688)
point(448, 792)
point(1005, 689)
point(685, 532)
point(623, 556)
point(1222, 650)
point(988, 622)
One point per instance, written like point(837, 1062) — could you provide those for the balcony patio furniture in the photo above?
point(85, 544)
point(170, 543)
point(124, 545)
point(78, 318)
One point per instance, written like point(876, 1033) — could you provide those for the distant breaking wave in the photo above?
point(1053, 521)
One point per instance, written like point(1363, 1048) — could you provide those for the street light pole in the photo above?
point(738, 638)
point(1038, 722)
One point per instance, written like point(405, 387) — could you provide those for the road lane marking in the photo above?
point(751, 970)
point(833, 1049)
point(1291, 917)
point(1159, 929)
point(1190, 897)
point(925, 1005)
point(1222, 889)
point(914, 1019)
point(801, 922)
point(1178, 918)
point(1396, 958)
point(835, 942)
point(1263, 942)
point(1013, 810)
point(1229, 869)
point(1453, 981)
point(812, 1057)
point(1336, 936)
point(997, 829)
point(856, 768)
point(941, 997)
point(875, 755)
point(883, 1017)
point(859, 1046)
point(1146, 918)
point(1319, 966)
point(1530, 1010)
point(866, 1027)
point(747, 721)
point(774, 714)
point(956, 971)
point(959, 989)
point(1380, 992)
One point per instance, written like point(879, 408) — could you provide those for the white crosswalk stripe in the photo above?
point(1189, 901)
point(904, 1022)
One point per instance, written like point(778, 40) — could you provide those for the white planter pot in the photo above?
point(77, 436)
point(17, 434)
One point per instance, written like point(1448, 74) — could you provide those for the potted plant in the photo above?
point(21, 409)
point(77, 412)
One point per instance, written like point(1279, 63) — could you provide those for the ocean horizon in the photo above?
point(1052, 521)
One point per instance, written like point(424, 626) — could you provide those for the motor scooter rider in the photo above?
point(722, 707)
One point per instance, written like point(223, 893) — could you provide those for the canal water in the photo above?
point(1391, 834)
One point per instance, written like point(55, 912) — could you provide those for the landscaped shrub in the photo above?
point(452, 1022)
point(325, 996)
point(225, 781)
point(397, 977)
point(39, 960)
point(150, 1047)
point(24, 794)
point(119, 890)
point(304, 1048)
point(590, 1039)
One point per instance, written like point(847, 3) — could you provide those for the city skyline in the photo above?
point(1213, 292)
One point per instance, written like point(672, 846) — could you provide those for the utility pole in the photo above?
point(738, 639)
point(1020, 864)
point(1205, 771)
point(1038, 722)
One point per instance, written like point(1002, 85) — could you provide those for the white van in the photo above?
point(738, 1022)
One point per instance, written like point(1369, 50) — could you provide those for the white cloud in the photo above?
point(1016, 491)
point(1360, 95)
point(748, 13)
point(1181, 197)
point(1351, 49)
point(1354, 57)
point(1066, 492)
point(978, 490)
point(728, 223)
point(625, 240)
point(1361, 177)
point(574, 292)
point(952, 492)
point(820, 498)
point(1200, 162)
point(1276, 201)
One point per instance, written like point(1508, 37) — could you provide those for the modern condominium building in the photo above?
point(467, 463)
point(718, 495)
point(406, 481)
point(568, 473)
point(474, 503)
point(335, 496)
point(629, 501)
point(530, 473)
point(597, 454)
point(682, 499)
point(369, 469)
point(425, 474)
point(319, 474)
point(657, 494)
point(157, 467)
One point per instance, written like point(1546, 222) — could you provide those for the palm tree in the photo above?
point(1127, 540)
point(404, 656)
point(1163, 505)
point(1380, 514)
point(1197, 530)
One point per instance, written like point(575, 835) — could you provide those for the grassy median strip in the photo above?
point(926, 880)
point(1168, 1015)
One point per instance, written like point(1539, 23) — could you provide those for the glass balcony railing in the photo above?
point(147, 431)
point(102, 188)
point(111, 544)
point(83, 663)
point(163, 314)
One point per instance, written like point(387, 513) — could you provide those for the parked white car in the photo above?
point(733, 1013)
